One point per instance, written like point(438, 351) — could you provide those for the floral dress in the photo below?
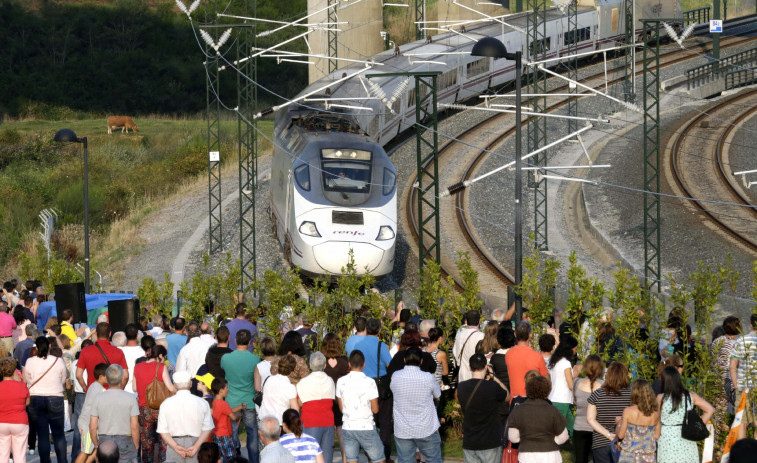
point(672, 448)
point(639, 445)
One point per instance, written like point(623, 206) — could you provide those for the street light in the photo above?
point(493, 48)
point(68, 136)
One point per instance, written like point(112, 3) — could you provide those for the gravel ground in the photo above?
point(741, 154)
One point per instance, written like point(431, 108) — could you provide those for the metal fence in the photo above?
point(696, 16)
point(708, 72)
point(739, 78)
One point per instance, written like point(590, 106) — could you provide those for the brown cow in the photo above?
point(124, 122)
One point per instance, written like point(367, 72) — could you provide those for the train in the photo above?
point(333, 186)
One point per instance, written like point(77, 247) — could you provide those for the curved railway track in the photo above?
point(700, 171)
point(493, 277)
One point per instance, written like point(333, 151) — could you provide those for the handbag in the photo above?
point(510, 455)
point(156, 392)
point(382, 382)
point(614, 451)
point(457, 367)
point(693, 428)
point(258, 399)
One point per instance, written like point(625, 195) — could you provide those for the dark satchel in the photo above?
point(156, 392)
point(693, 428)
point(382, 382)
point(258, 399)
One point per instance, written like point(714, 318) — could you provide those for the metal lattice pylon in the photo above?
point(629, 93)
point(420, 14)
point(539, 44)
point(213, 114)
point(333, 39)
point(429, 245)
point(651, 101)
point(248, 147)
point(572, 64)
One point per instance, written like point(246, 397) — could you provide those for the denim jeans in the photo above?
point(250, 420)
point(325, 437)
point(368, 440)
point(47, 411)
point(78, 404)
point(430, 447)
point(602, 454)
point(483, 456)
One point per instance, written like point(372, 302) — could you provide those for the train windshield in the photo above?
point(347, 170)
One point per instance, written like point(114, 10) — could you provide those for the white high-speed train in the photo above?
point(333, 188)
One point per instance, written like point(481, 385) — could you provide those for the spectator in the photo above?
point(192, 355)
point(360, 333)
point(114, 416)
point(263, 370)
point(14, 422)
point(743, 366)
point(743, 451)
point(674, 402)
point(24, 347)
point(435, 340)
point(103, 350)
point(132, 351)
point(498, 362)
point(279, 394)
point(153, 449)
point(424, 327)
point(605, 405)
point(292, 345)
point(536, 426)
point(184, 422)
point(240, 370)
point(376, 360)
point(466, 340)
point(488, 346)
point(118, 339)
point(409, 339)
point(546, 346)
point(216, 353)
point(87, 445)
point(206, 334)
point(482, 425)
point(7, 324)
point(241, 323)
point(108, 452)
point(582, 389)
point(67, 328)
point(640, 425)
point(521, 358)
point(303, 446)
point(415, 421)
point(336, 367)
point(722, 348)
point(209, 453)
point(561, 374)
point(45, 375)
point(79, 398)
point(273, 451)
point(176, 340)
point(315, 393)
point(157, 325)
point(358, 400)
point(222, 416)
point(307, 334)
point(672, 360)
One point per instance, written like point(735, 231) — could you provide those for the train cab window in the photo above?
point(302, 176)
point(389, 182)
point(540, 46)
point(346, 170)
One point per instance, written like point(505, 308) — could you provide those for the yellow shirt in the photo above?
point(68, 330)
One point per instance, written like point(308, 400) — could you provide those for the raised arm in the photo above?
point(704, 405)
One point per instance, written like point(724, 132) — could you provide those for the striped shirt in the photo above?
point(608, 407)
point(745, 350)
point(304, 448)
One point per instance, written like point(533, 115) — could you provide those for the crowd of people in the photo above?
point(172, 390)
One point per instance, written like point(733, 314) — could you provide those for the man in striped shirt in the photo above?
point(743, 367)
point(415, 421)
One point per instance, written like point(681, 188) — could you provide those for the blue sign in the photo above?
point(716, 25)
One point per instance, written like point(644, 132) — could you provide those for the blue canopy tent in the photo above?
point(96, 304)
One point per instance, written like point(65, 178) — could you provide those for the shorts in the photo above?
point(368, 440)
point(226, 446)
point(87, 446)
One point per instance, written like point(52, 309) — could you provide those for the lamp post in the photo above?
point(493, 48)
point(68, 136)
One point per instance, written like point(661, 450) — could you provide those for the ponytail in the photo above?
point(293, 422)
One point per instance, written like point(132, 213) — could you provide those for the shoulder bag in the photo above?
point(457, 368)
point(43, 374)
point(258, 399)
point(693, 428)
point(382, 382)
point(156, 392)
point(103, 353)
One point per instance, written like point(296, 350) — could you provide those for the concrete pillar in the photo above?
point(359, 39)
point(445, 10)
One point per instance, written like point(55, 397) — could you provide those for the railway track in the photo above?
point(459, 162)
point(698, 165)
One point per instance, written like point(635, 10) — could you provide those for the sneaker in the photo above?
point(31, 452)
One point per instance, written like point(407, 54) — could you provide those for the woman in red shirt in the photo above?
point(315, 392)
point(14, 422)
point(144, 373)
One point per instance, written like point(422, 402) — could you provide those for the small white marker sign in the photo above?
point(716, 25)
point(215, 156)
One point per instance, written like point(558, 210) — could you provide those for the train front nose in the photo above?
point(331, 256)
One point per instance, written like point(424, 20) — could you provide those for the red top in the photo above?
point(14, 394)
point(318, 413)
point(221, 420)
point(144, 373)
point(91, 356)
point(520, 360)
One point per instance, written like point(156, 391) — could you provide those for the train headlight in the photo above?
point(309, 229)
point(385, 233)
